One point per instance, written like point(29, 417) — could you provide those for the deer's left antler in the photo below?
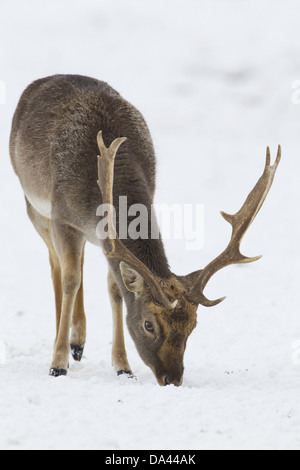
point(240, 223)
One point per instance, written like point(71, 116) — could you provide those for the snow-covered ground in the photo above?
point(214, 79)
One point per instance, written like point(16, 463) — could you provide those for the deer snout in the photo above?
point(171, 375)
point(169, 379)
point(176, 382)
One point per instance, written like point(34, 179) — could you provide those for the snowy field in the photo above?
point(214, 79)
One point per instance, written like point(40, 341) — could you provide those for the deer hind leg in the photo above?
point(43, 227)
point(119, 355)
point(78, 335)
point(69, 247)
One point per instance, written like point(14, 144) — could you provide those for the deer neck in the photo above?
point(152, 253)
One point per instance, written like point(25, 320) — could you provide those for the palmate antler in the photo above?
point(106, 161)
point(240, 223)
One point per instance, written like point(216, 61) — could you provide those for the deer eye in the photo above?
point(149, 326)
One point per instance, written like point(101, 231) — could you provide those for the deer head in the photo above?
point(162, 312)
point(159, 330)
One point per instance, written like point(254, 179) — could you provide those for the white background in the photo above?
point(214, 79)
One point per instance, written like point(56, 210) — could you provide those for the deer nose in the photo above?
point(169, 381)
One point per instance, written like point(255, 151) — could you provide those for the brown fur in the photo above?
point(53, 148)
point(119, 355)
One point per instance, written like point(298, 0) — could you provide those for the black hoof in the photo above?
point(77, 352)
point(126, 372)
point(57, 372)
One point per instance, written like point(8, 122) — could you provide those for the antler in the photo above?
point(106, 161)
point(240, 223)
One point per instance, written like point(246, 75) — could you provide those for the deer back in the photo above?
point(53, 148)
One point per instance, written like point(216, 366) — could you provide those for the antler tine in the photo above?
point(240, 223)
point(106, 161)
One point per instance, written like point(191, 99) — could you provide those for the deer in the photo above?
point(75, 144)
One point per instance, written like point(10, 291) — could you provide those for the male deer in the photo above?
point(54, 144)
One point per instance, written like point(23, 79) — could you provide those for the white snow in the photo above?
point(217, 82)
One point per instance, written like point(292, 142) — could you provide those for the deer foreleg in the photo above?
point(78, 335)
point(69, 246)
point(119, 355)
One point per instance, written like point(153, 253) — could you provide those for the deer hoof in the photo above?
point(77, 352)
point(129, 373)
point(57, 372)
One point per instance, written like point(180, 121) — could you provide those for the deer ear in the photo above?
point(133, 281)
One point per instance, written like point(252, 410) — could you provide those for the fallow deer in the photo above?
point(60, 125)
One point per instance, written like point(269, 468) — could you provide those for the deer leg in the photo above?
point(78, 335)
point(119, 355)
point(56, 279)
point(69, 247)
point(43, 227)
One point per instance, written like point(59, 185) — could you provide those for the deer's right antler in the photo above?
point(106, 161)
